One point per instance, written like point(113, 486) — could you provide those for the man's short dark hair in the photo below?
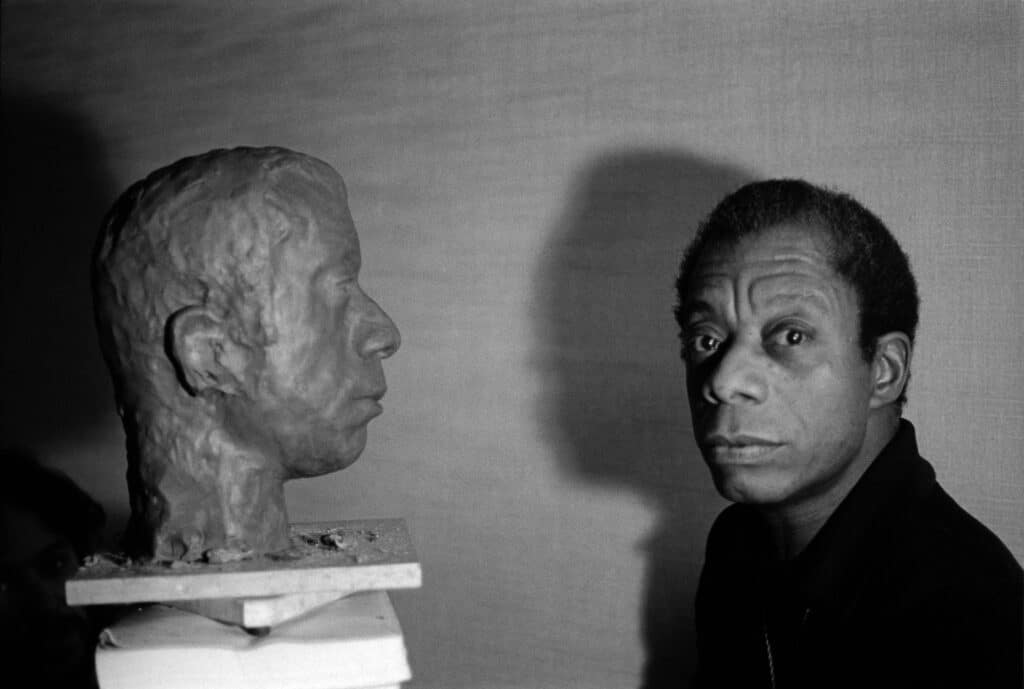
point(863, 251)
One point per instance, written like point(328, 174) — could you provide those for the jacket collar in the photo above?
point(856, 536)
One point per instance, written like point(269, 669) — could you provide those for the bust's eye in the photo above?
point(337, 287)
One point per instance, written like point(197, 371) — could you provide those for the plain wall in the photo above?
point(524, 176)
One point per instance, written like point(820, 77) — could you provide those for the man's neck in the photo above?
point(795, 525)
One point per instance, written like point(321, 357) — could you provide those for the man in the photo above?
point(243, 350)
point(843, 562)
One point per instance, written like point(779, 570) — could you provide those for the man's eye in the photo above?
point(789, 337)
point(703, 344)
point(708, 343)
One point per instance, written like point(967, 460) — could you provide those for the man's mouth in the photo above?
point(736, 440)
point(738, 448)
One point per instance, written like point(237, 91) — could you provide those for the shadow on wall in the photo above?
point(606, 338)
point(56, 190)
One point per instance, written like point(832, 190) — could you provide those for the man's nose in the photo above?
point(735, 377)
point(376, 334)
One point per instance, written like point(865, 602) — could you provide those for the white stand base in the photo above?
point(352, 643)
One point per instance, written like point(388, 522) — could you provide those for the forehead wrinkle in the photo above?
point(782, 267)
point(782, 290)
point(792, 271)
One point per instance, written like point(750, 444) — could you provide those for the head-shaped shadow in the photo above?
point(56, 190)
point(616, 407)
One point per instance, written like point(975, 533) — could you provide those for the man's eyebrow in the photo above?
point(807, 297)
point(695, 307)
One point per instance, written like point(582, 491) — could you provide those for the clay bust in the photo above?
point(243, 351)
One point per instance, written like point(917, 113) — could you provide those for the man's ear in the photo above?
point(204, 354)
point(890, 368)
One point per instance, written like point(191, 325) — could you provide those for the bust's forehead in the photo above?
point(239, 195)
point(206, 226)
point(222, 175)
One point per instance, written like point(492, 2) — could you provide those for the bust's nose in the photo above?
point(376, 334)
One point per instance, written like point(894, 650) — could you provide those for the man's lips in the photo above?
point(738, 448)
point(737, 440)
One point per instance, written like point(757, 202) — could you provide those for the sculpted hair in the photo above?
point(201, 231)
point(863, 251)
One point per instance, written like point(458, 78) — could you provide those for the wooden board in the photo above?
point(254, 613)
point(345, 556)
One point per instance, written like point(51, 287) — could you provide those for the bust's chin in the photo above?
point(310, 458)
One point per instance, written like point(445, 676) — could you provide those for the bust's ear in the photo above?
point(890, 368)
point(204, 354)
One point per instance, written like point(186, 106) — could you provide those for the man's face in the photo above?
point(779, 389)
point(322, 378)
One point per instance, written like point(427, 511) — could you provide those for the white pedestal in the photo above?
point(354, 642)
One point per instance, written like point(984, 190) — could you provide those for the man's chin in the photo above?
point(751, 485)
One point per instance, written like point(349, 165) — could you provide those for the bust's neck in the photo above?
point(195, 489)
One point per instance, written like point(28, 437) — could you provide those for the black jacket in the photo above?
point(900, 588)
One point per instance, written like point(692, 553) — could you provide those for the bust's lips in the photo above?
point(371, 401)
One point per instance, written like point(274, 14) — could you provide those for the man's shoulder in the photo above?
point(923, 532)
point(950, 589)
point(944, 546)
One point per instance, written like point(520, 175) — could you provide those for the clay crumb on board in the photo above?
point(358, 545)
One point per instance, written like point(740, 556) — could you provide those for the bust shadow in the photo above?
point(615, 407)
point(56, 190)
